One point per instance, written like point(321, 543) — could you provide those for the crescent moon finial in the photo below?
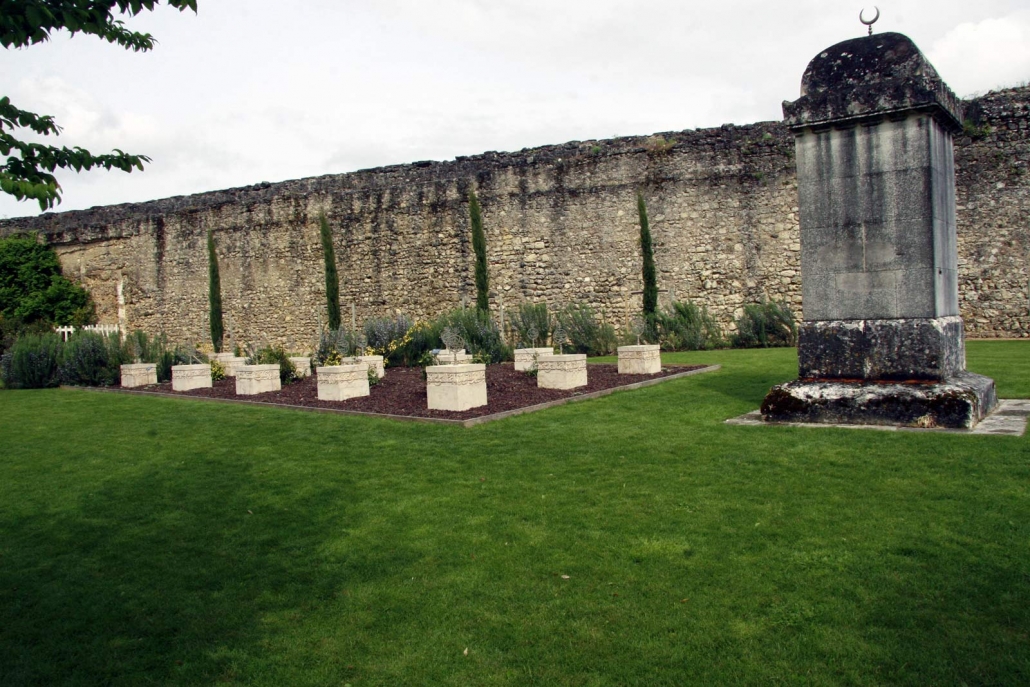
point(870, 22)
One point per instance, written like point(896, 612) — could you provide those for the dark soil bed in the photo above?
point(403, 391)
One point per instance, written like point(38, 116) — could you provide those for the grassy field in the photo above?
point(629, 540)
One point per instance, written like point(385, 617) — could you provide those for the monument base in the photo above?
point(899, 350)
point(958, 402)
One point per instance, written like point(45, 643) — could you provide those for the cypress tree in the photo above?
point(214, 294)
point(479, 246)
point(332, 279)
point(650, 277)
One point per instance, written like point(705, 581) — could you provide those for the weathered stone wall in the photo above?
point(561, 226)
point(993, 211)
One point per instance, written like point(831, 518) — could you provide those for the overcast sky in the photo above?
point(260, 90)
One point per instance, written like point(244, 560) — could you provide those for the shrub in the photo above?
point(531, 325)
point(275, 355)
point(687, 327)
point(91, 359)
point(137, 347)
point(336, 344)
point(479, 247)
point(402, 342)
point(381, 331)
point(332, 278)
point(585, 333)
point(217, 371)
point(481, 335)
point(32, 287)
point(416, 343)
point(766, 324)
point(32, 362)
point(214, 294)
point(648, 272)
point(180, 355)
point(13, 327)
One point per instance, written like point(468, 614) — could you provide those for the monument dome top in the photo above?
point(869, 77)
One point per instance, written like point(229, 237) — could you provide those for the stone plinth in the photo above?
point(340, 382)
point(369, 361)
point(561, 371)
point(459, 357)
point(525, 358)
point(187, 377)
point(929, 349)
point(234, 363)
point(643, 359)
point(456, 387)
point(882, 341)
point(303, 365)
point(958, 403)
point(229, 361)
point(139, 374)
point(257, 379)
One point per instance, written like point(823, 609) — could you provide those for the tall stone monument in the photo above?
point(882, 339)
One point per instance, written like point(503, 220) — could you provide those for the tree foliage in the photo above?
point(649, 273)
point(28, 170)
point(32, 288)
point(479, 247)
point(332, 278)
point(214, 294)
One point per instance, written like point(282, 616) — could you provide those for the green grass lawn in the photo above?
point(628, 540)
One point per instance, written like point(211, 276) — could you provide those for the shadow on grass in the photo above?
point(164, 578)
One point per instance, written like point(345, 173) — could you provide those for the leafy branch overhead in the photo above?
point(28, 171)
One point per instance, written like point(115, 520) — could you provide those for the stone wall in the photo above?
point(993, 211)
point(561, 226)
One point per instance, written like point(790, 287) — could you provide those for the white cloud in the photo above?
point(246, 91)
point(977, 56)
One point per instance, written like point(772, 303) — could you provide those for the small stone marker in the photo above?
point(456, 387)
point(882, 340)
point(229, 361)
point(369, 361)
point(340, 382)
point(525, 358)
point(567, 371)
point(303, 365)
point(642, 359)
point(456, 357)
point(257, 379)
point(138, 374)
point(188, 377)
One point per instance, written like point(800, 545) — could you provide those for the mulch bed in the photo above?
point(403, 391)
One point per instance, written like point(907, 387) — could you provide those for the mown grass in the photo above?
point(634, 539)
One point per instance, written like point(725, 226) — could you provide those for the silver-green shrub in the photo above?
point(685, 326)
point(32, 362)
point(530, 325)
point(766, 324)
point(586, 332)
point(91, 359)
